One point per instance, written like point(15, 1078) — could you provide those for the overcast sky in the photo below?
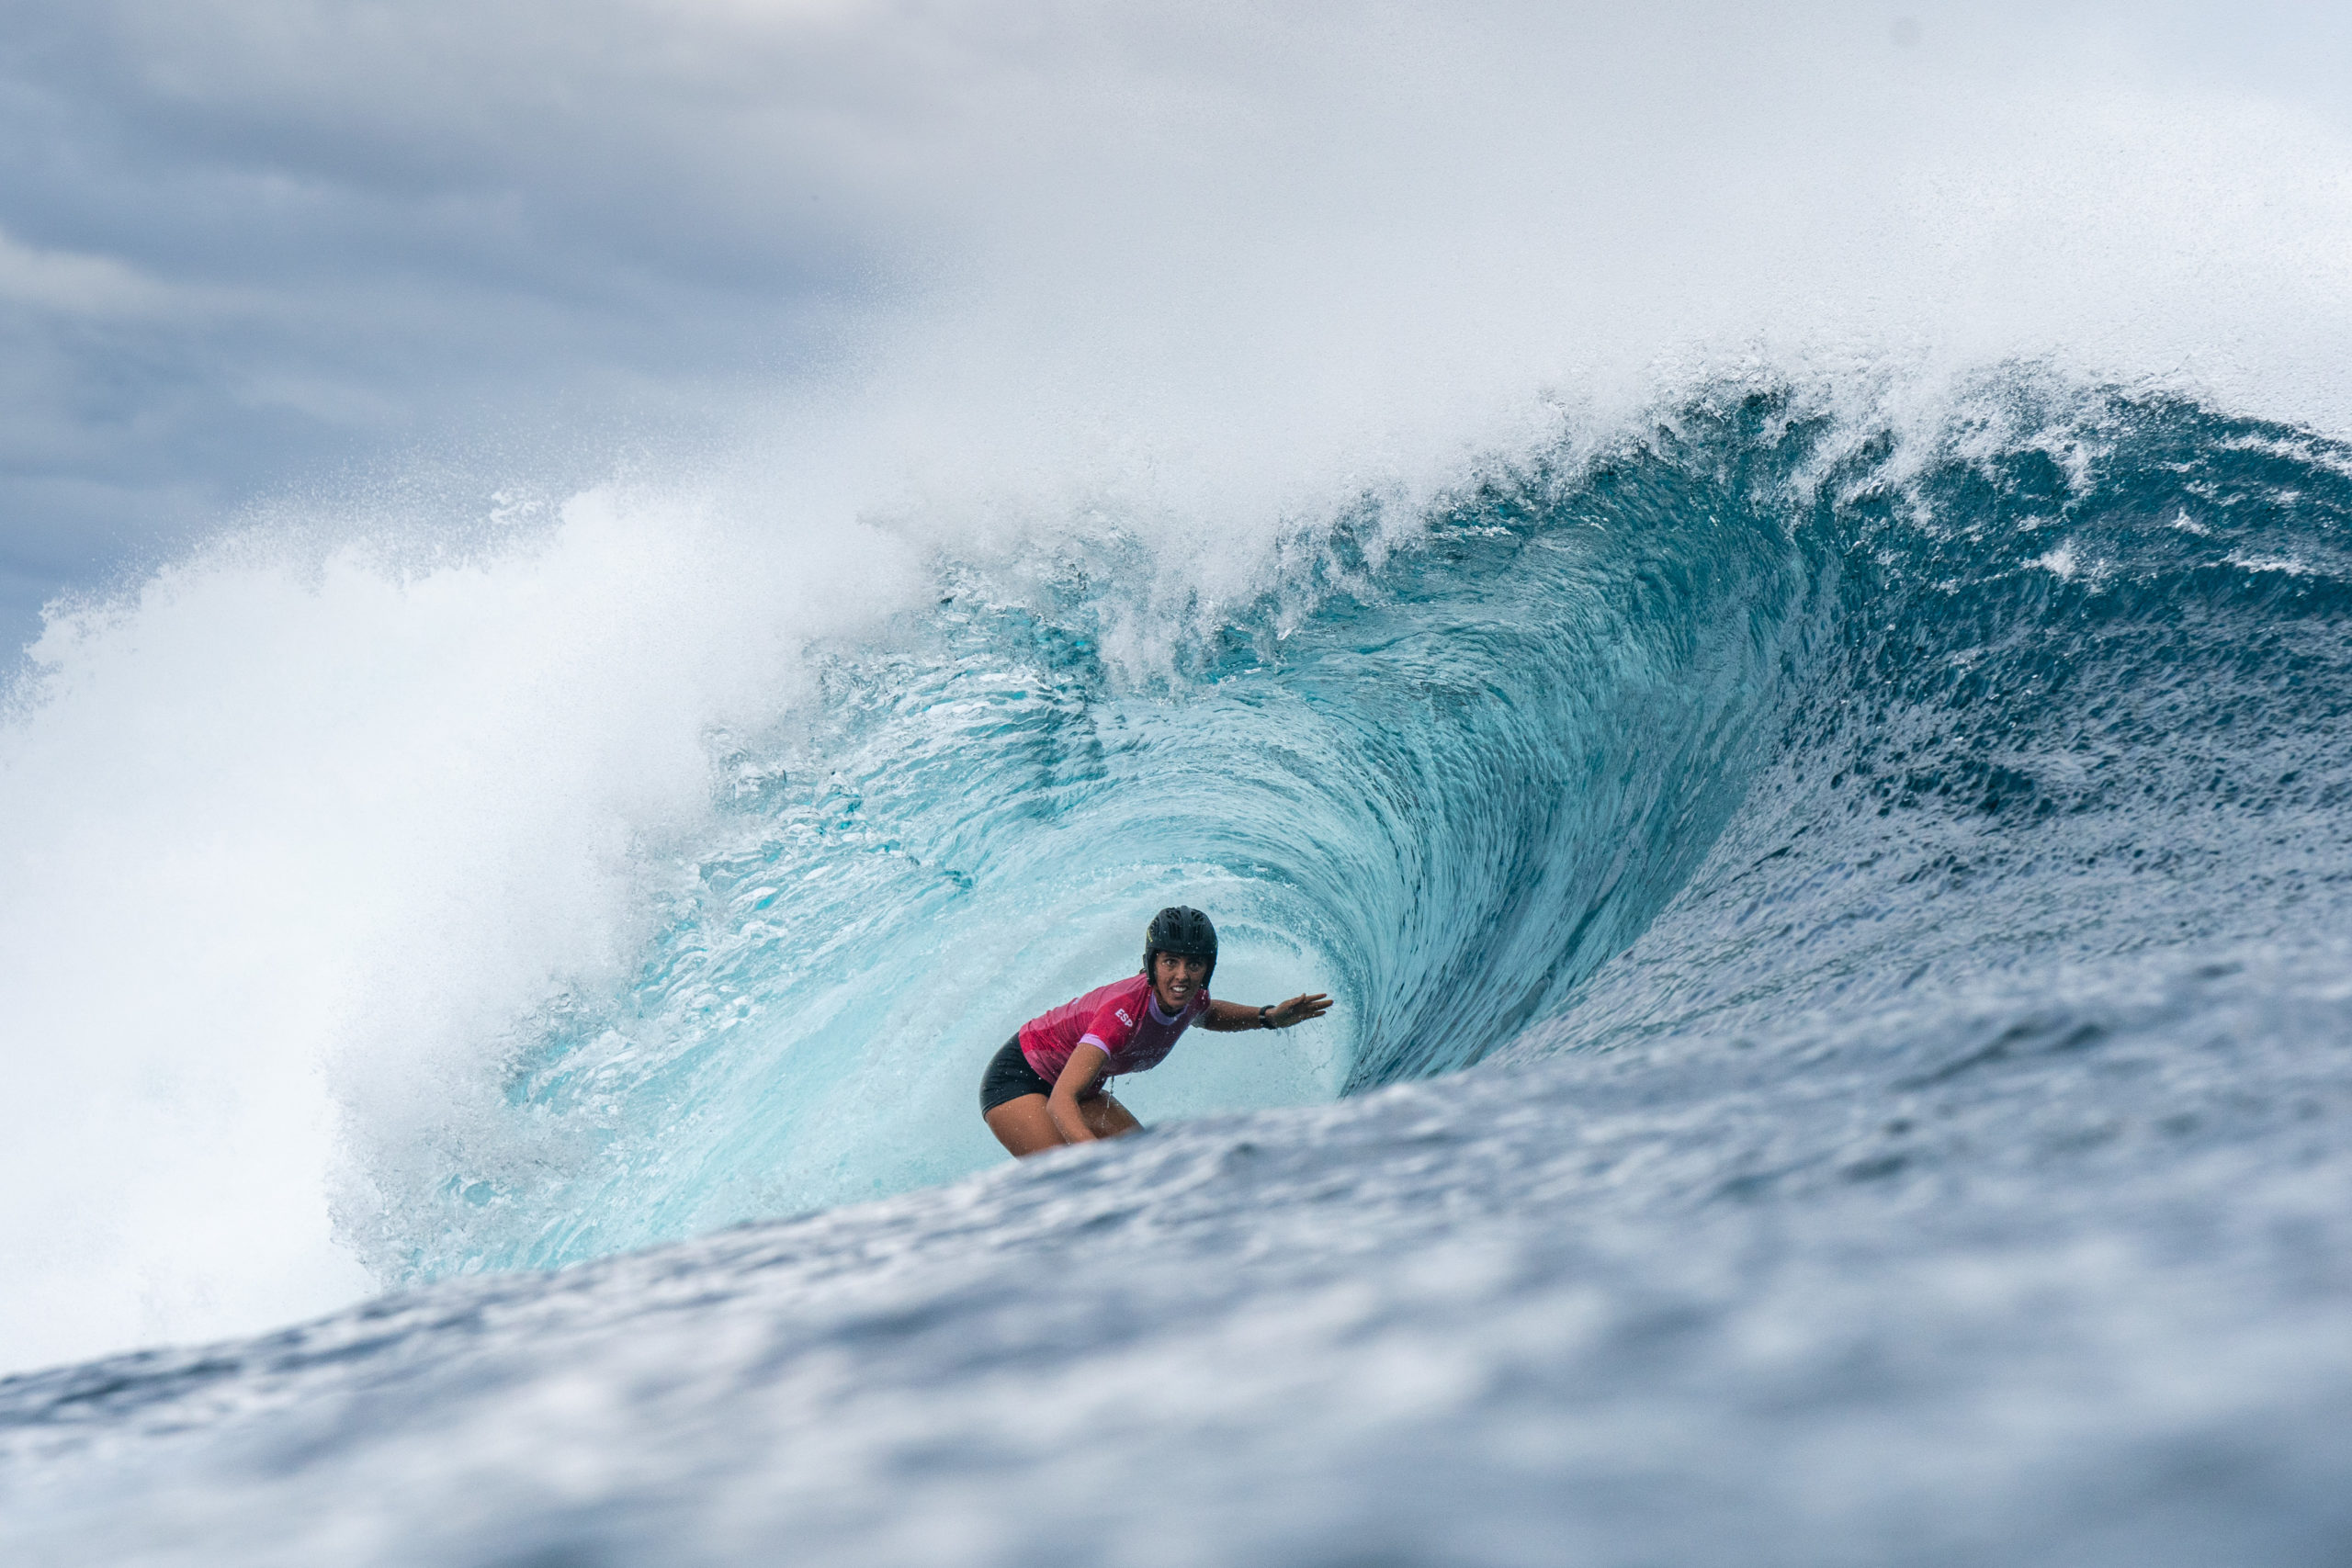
point(251, 248)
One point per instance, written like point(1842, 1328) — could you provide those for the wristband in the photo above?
point(1266, 1019)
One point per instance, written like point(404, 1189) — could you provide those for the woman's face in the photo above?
point(1176, 979)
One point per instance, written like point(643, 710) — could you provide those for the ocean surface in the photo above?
point(1843, 1056)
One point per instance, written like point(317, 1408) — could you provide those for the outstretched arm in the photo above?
point(1228, 1017)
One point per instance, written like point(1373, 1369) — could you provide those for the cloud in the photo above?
point(254, 242)
point(72, 284)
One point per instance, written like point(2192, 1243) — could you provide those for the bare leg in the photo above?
point(1023, 1126)
point(1106, 1118)
point(1024, 1129)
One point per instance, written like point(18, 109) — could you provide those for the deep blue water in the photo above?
point(1843, 1058)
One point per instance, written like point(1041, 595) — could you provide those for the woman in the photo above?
point(1046, 1087)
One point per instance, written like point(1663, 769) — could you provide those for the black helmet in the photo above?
point(1181, 930)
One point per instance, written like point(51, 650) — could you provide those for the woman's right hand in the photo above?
point(1078, 1075)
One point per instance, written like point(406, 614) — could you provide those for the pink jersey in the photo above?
point(1124, 1018)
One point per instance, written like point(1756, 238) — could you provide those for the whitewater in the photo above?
point(1821, 787)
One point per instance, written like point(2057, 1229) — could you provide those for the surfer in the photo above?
point(1049, 1085)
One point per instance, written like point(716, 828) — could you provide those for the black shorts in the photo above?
point(1009, 1076)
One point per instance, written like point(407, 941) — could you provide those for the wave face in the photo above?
point(1896, 882)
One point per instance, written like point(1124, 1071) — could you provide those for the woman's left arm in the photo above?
point(1228, 1017)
